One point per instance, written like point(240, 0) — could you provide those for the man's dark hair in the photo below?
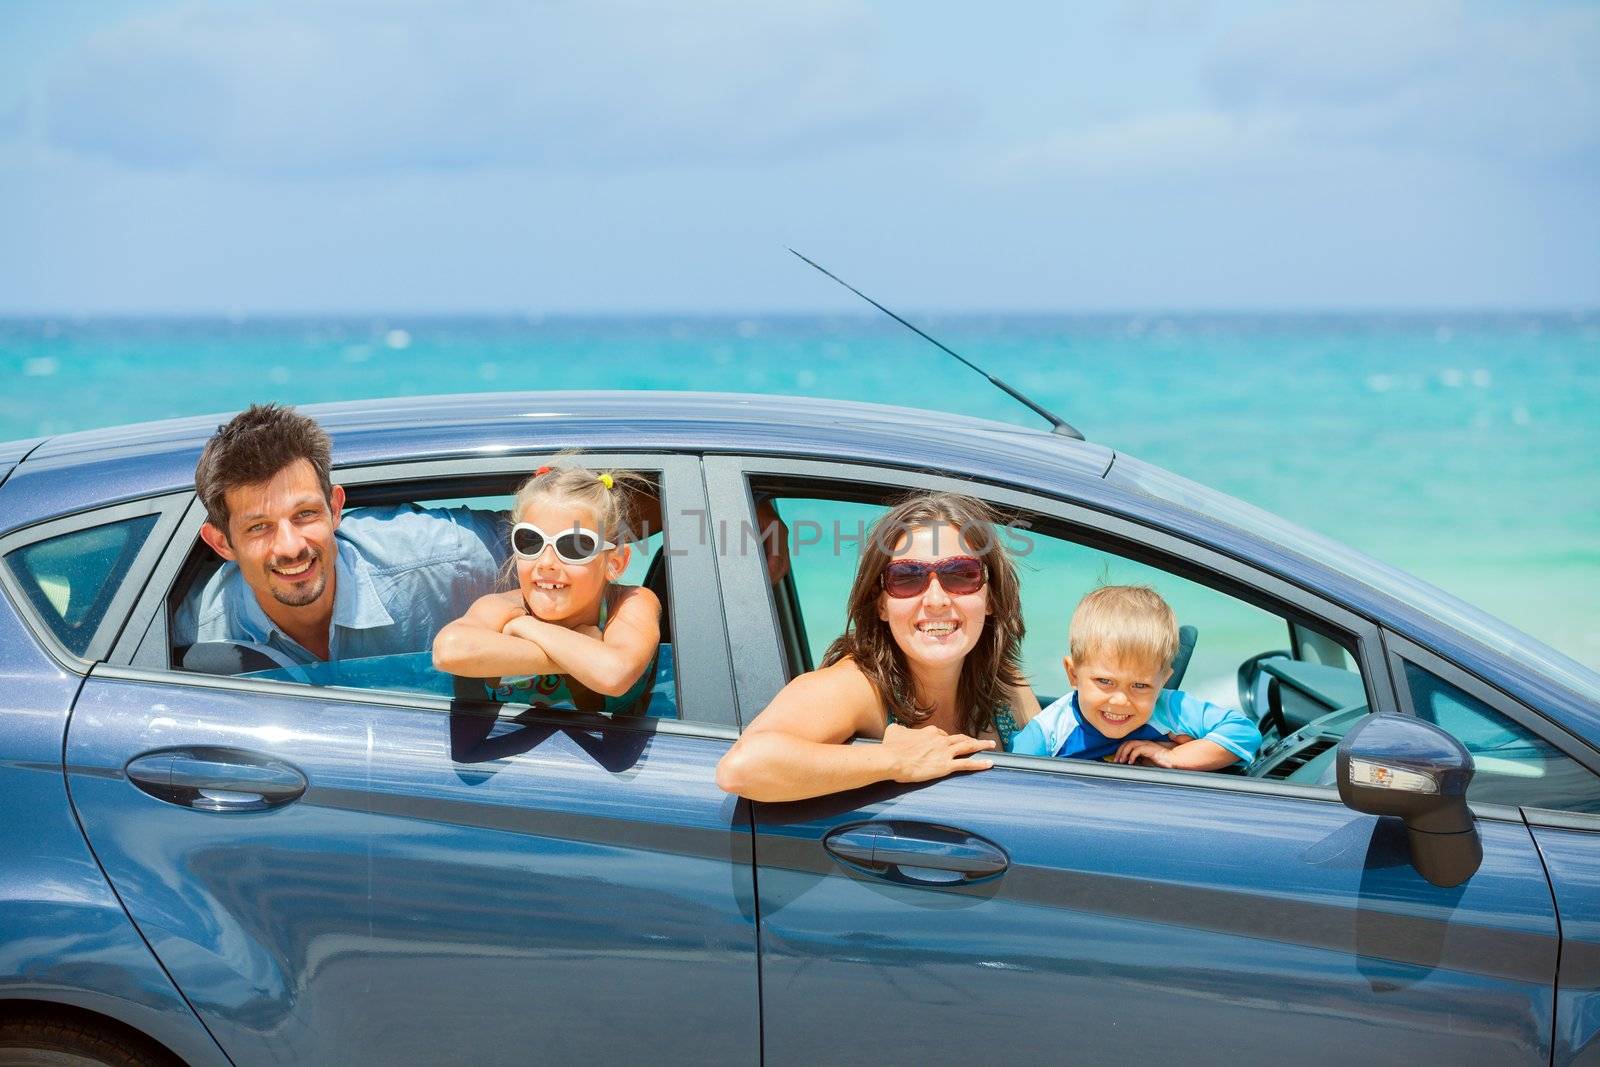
point(253, 446)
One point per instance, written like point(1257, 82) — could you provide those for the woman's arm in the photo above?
point(798, 746)
point(474, 647)
point(609, 663)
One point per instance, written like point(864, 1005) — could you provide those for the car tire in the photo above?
point(62, 1042)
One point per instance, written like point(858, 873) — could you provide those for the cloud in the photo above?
point(1162, 143)
point(1436, 75)
point(1308, 83)
point(356, 87)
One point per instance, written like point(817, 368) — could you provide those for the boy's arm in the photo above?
point(1222, 728)
point(1190, 756)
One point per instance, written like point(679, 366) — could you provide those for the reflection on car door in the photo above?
point(1139, 921)
point(449, 887)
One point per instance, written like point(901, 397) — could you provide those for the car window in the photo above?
point(71, 579)
point(1296, 682)
point(1513, 765)
point(197, 600)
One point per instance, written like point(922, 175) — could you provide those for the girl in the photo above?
point(567, 635)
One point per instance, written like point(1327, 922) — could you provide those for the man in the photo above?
point(307, 581)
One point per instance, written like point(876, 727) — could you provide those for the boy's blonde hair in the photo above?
point(609, 495)
point(1125, 622)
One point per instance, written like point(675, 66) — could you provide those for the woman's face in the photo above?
point(553, 589)
point(934, 628)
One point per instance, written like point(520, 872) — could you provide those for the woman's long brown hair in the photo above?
point(993, 666)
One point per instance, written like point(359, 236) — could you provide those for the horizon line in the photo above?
point(1576, 312)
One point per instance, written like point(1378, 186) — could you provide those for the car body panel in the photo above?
point(516, 879)
point(1571, 854)
point(13, 453)
point(64, 937)
point(1140, 921)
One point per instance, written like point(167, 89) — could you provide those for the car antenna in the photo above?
point(1057, 424)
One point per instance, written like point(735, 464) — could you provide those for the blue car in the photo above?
point(208, 859)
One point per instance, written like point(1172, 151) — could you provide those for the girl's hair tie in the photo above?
point(605, 480)
point(542, 471)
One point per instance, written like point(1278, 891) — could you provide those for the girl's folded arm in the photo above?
point(473, 646)
point(612, 662)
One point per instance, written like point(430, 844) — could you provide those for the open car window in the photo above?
point(1293, 677)
point(410, 671)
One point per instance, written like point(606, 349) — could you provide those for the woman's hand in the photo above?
point(927, 752)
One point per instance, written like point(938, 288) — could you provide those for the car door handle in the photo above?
point(216, 779)
point(920, 853)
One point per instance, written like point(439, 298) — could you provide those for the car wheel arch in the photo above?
point(19, 1013)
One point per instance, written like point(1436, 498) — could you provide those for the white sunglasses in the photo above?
point(576, 545)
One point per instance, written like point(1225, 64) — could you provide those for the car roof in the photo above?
point(75, 471)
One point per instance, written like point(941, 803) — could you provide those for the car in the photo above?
point(364, 862)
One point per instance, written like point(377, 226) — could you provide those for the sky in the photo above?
point(633, 156)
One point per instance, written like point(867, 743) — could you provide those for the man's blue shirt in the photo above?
point(401, 573)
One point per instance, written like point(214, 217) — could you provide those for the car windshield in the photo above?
point(413, 672)
point(1429, 599)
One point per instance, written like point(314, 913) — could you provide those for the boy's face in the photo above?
point(1116, 697)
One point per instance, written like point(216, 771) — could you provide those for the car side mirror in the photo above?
point(1400, 766)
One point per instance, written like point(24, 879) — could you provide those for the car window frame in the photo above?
point(1100, 529)
point(169, 509)
point(1401, 650)
point(703, 673)
point(757, 645)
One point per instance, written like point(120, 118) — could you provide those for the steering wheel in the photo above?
point(1249, 686)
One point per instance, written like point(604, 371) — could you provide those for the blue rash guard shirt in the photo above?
point(1059, 730)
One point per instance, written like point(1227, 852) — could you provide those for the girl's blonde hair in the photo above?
point(610, 495)
point(1128, 623)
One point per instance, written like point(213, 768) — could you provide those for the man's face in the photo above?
point(1114, 696)
point(280, 533)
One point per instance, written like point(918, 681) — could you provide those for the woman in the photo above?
point(929, 663)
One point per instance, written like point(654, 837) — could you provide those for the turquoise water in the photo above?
point(1464, 449)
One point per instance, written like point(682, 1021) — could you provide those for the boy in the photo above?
point(1119, 655)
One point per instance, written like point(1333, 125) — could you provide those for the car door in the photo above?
point(1061, 911)
point(1524, 758)
point(341, 876)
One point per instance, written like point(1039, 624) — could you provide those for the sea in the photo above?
point(1462, 448)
